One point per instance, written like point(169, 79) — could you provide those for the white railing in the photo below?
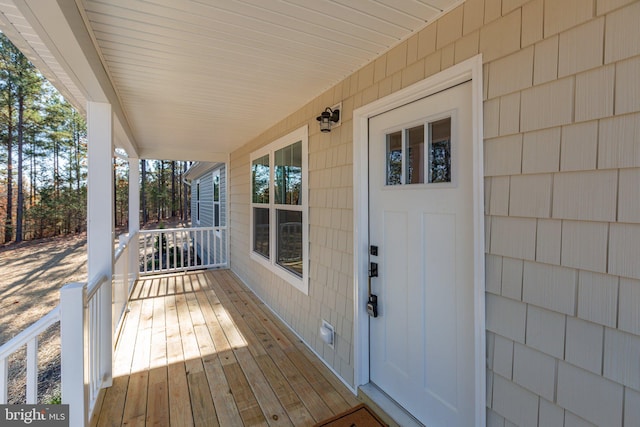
point(90, 315)
point(181, 249)
point(99, 336)
point(125, 274)
point(86, 343)
point(28, 337)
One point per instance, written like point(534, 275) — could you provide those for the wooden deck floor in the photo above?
point(200, 349)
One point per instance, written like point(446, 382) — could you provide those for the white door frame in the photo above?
point(471, 69)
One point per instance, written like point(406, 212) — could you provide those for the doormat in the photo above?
point(358, 416)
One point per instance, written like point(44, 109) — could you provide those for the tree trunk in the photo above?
point(143, 192)
point(173, 189)
point(8, 223)
point(185, 196)
point(20, 207)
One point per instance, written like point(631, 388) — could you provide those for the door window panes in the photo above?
point(440, 151)
point(415, 155)
point(260, 180)
point(288, 174)
point(419, 154)
point(290, 240)
point(394, 158)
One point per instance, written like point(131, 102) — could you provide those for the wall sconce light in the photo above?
point(327, 118)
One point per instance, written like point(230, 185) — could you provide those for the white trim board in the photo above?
point(470, 69)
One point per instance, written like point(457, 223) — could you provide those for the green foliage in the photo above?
point(43, 161)
point(56, 399)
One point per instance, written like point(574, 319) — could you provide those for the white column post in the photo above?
point(100, 228)
point(134, 213)
point(73, 353)
point(134, 195)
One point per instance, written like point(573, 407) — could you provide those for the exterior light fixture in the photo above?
point(327, 118)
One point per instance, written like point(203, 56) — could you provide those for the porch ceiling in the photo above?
point(196, 79)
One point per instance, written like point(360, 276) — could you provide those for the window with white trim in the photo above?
point(279, 208)
point(216, 198)
point(198, 201)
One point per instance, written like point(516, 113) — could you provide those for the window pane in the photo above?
point(394, 158)
point(288, 174)
point(216, 214)
point(415, 155)
point(216, 188)
point(290, 240)
point(260, 180)
point(261, 231)
point(440, 151)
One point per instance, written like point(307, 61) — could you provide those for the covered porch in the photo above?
point(200, 348)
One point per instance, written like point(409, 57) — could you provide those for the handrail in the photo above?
point(35, 329)
point(123, 244)
point(167, 250)
point(94, 286)
point(28, 337)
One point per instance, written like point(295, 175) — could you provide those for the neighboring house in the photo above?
point(485, 166)
point(209, 210)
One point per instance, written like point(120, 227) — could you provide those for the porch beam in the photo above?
point(100, 217)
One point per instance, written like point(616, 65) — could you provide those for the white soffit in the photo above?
point(197, 79)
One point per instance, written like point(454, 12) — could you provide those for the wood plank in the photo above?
point(135, 408)
point(295, 340)
point(278, 360)
point(257, 337)
point(158, 398)
point(221, 394)
point(142, 352)
point(290, 400)
point(324, 379)
point(158, 356)
point(158, 391)
point(187, 334)
point(269, 404)
point(248, 406)
point(179, 400)
point(93, 421)
point(174, 341)
point(126, 346)
point(218, 387)
point(212, 352)
point(113, 404)
point(204, 413)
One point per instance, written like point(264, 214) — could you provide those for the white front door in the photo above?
point(421, 220)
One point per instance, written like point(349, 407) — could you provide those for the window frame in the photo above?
point(197, 202)
point(216, 174)
point(427, 121)
point(271, 263)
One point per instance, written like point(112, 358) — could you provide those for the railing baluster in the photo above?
point(189, 248)
point(4, 380)
point(32, 371)
point(190, 243)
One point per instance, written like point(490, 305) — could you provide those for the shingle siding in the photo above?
point(579, 121)
point(561, 159)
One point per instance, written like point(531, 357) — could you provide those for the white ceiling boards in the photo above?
point(198, 77)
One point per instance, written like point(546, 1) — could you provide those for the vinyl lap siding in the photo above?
point(206, 211)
